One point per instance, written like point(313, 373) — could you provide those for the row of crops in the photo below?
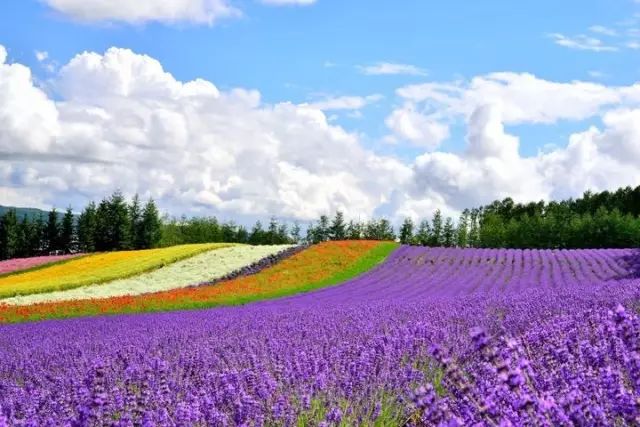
point(428, 337)
point(108, 284)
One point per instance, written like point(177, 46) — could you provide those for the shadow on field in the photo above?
point(631, 263)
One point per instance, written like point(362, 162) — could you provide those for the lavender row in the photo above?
point(395, 346)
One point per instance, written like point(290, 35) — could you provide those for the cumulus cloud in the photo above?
point(524, 98)
point(141, 11)
point(120, 120)
point(491, 165)
point(420, 130)
point(389, 68)
point(124, 122)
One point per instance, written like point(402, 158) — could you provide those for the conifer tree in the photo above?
point(337, 230)
point(119, 223)
point(257, 234)
point(295, 235)
point(151, 225)
point(448, 233)
point(354, 230)
point(462, 232)
point(423, 236)
point(87, 228)
point(9, 235)
point(135, 223)
point(272, 232)
point(436, 229)
point(67, 234)
point(322, 229)
point(53, 231)
point(406, 232)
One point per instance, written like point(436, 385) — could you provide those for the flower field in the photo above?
point(207, 266)
point(428, 337)
point(95, 269)
point(319, 266)
point(12, 266)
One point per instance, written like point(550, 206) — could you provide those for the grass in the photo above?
point(96, 269)
point(319, 266)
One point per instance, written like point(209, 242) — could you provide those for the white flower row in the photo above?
point(204, 267)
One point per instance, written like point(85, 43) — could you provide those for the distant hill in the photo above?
point(32, 213)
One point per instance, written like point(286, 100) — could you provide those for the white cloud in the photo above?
point(141, 11)
point(420, 130)
point(28, 118)
point(124, 122)
point(3, 55)
point(582, 42)
point(388, 68)
point(345, 102)
point(41, 55)
point(597, 74)
point(119, 120)
point(633, 44)
point(523, 97)
point(605, 31)
point(288, 2)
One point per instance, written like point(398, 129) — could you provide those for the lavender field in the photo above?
point(432, 336)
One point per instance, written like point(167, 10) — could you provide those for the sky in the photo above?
point(246, 109)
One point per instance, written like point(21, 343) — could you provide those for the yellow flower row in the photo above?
point(97, 268)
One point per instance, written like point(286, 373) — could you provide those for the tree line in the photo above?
point(595, 220)
point(211, 230)
point(113, 224)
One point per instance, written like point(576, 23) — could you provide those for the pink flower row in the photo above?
point(11, 265)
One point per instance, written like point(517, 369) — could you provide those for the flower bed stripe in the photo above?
point(191, 271)
point(319, 266)
point(22, 265)
point(97, 268)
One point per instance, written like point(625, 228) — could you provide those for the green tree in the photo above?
point(436, 229)
point(135, 223)
point(67, 232)
point(257, 234)
point(119, 223)
point(151, 225)
point(295, 234)
point(101, 237)
point(242, 235)
point(87, 228)
point(322, 229)
point(354, 230)
point(462, 232)
point(423, 235)
point(406, 232)
point(9, 239)
point(448, 233)
point(24, 237)
point(474, 228)
point(53, 231)
point(337, 230)
point(37, 236)
point(272, 231)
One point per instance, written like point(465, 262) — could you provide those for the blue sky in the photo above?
point(319, 52)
